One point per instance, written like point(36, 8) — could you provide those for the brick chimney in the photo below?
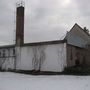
point(20, 25)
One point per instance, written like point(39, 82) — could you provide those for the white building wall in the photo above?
point(8, 64)
point(7, 58)
point(55, 58)
point(44, 57)
point(24, 58)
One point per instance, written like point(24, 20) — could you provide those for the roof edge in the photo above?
point(45, 43)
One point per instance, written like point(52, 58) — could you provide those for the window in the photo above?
point(71, 54)
point(3, 53)
point(13, 51)
point(0, 53)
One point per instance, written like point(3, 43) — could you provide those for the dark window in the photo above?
point(71, 55)
point(0, 54)
point(13, 51)
point(3, 53)
point(77, 62)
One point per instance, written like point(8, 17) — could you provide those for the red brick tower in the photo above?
point(20, 25)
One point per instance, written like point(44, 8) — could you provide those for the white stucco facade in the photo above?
point(7, 58)
point(44, 57)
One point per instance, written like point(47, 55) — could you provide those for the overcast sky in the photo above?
point(44, 19)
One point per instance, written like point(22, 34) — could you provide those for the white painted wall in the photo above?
point(9, 64)
point(45, 57)
point(55, 58)
point(24, 58)
point(7, 58)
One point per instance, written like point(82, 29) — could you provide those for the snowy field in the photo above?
point(14, 81)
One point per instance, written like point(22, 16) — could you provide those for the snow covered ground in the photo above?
point(14, 81)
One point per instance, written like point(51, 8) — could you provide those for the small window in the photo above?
point(71, 55)
point(13, 51)
point(3, 53)
point(0, 54)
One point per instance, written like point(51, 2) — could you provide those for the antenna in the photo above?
point(20, 3)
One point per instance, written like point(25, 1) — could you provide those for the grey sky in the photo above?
point(44, 19)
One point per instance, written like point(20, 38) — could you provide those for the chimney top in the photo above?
point(86, 30)
point(20, 3)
